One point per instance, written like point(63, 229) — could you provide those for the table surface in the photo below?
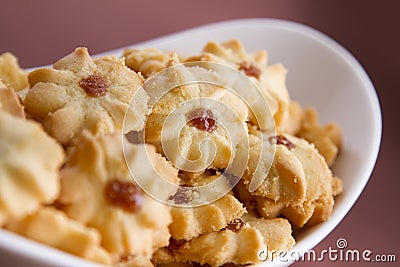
point(40, 31)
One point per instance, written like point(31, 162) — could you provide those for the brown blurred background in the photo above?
point(39, 32)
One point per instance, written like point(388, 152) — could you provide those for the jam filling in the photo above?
point(236, 225)
point(124, 195)
point(281, 140)
point(202, 119)
point(94, 85)
point(249, 69)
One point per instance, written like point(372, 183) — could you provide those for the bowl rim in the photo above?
point(41, 252)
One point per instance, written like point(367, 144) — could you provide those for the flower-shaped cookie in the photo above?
point(98, 191)
point(81, 93)
point(11, 73)
point(299, 184)
point(270, 79)
point(52, 227)
point(285, 179)
point(29, 167)
point(189, 113)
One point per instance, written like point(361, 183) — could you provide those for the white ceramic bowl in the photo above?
point(321, 73)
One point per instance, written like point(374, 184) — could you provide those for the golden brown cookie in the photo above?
point(318, 203)
point(9, 101)
point(98, 191)
point(283, 177)
point(327, 139)
point(83, 93)
point(270, 79)
point(52, 227)
point(298, 184)
point(11, 73)
point(188, 115)
point(29, 165)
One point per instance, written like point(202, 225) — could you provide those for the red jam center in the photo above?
point(94, 86)
point(249, 69)
point(202, 119)
point(125, 195)
point(236, 225)
point(281, 140)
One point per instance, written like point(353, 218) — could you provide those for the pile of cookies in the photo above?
point(70, 134)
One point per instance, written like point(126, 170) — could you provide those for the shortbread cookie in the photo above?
point(9, 101)
point(319, 202)
point(319, 199)
point(327, 139)
point(238, 246)
point(81, 93)
point(187, 115)
point(29, 164)
point(52, 227)
point(272, 160)
point(101, 193)
point(11, 73)
point(297, 156)
point(270, 79)
point(188, 223)
point(147, 61)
